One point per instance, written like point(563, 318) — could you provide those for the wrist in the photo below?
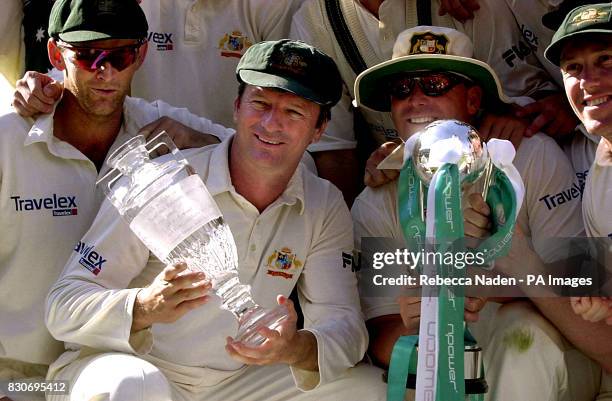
point(139, 314)
point(306, 354)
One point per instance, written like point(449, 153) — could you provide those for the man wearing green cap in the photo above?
point(432, 76)
point(49, 166)
point(574, 359)
point(581, 47)
point(292, 229)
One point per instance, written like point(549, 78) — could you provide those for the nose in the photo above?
point(105, 71)
point(590, 78)
point(418, 96)
point(271, 120)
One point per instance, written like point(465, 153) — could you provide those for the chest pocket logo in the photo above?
point(281, 262)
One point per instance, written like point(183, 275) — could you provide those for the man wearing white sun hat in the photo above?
point(433, 76)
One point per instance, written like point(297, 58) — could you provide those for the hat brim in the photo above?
point(371, 89)
point(553, 51)
point(265, 80)
point(84, 36)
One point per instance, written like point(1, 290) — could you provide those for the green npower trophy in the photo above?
point(442, 163)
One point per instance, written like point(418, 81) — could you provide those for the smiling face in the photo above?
point(273, 128)
point(586, 65)
point(416, 111)
point(101, 92)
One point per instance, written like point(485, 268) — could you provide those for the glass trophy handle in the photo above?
point(138, 147)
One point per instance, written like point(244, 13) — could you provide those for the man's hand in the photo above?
point(173, 293)
point(410, 311)
point(477, 218)
point(461, 10)
point(283, 345)
point(551, 115)
point(506, 127)
point(183, 136)
point(473, 306)
point(593, 309)
point(374, 177)
point(36, 93)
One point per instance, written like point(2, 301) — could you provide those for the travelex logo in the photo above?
point(555, 200)
point(90, 259)
point(162, 40)
point(59, 205)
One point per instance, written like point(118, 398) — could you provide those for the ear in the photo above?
point(474, 99)
point(55, 55)
point(142, 53)
point(236, 108)
point(319, 132)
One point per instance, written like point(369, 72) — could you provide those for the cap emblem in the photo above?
point(590, 15)
point(428, 43)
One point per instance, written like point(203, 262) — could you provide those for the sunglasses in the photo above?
point(91, 59)
point(432, 84)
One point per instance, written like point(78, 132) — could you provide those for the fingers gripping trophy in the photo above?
point(170, 210)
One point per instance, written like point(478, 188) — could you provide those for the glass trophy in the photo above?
point(168, 207)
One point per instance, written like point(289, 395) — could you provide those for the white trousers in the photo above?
point(122, 377)
point(527, 359)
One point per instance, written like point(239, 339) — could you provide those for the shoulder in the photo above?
point(319, 193)
point(377, 197)
point(14, 128)
point(199, 158)
point(311, 13)
point(539, 148)
point(310, 8)
point(376, 207)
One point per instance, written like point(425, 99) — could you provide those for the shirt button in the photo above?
point(253, 247)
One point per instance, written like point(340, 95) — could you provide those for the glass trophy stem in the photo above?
point(251, 317)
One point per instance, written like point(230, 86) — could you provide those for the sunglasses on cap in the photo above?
point(432, 84)
point(91, 58)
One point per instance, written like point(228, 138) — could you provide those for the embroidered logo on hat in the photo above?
point(106, 7)
point(591, 15)
point(428, 43)
point(290, 62)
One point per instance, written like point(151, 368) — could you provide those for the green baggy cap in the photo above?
point(292, 66)
point(588, 19)
point(84, 20)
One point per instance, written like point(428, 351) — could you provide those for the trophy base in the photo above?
point(475, 383)
point(253, 321)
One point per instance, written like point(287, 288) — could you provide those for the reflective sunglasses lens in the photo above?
point(92, 59)
point(436, 84)
point(122, 58)
point(401, 87)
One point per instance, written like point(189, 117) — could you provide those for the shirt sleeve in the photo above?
point(273, 19)
point(91, 303)
point(499, 42)
point(327, 290)
point(374, 215)
point(144, 113)
point(552, 201)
